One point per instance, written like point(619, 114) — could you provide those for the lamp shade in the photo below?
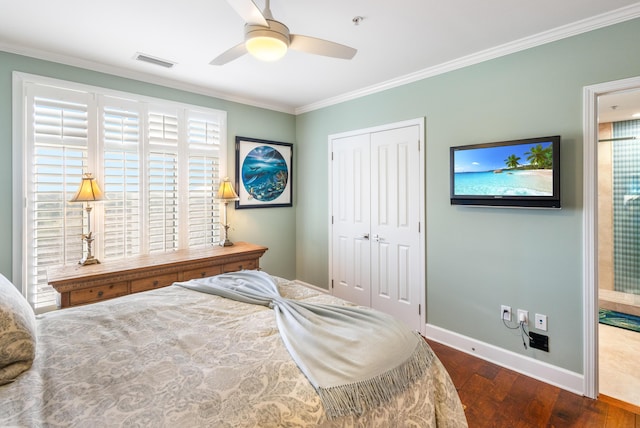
point(226, 192)
point(89, 190)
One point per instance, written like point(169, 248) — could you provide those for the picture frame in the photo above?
point(264, 173)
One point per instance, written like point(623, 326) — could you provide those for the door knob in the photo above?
point(365, 236)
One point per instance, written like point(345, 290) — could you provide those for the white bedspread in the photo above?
point(178, 358)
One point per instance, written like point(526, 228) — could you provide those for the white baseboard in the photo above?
point(315, 287)
point(545, 372)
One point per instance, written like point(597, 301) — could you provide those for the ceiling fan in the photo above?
point(268, 39)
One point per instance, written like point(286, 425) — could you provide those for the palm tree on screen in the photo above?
point(512, 161)
point(539, 156)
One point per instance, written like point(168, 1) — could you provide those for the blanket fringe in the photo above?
point(357, 398)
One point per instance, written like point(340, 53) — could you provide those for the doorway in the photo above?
point(604, 350)
point(377, 237)
point(618, 171)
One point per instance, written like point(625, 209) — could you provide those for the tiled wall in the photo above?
point(605, 207)
point(626, 207)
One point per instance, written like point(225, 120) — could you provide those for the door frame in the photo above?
point(420, 122)
point(590, 226)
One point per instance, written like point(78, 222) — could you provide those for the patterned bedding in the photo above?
point(179, 358)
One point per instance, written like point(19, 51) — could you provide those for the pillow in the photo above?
point(17, 332)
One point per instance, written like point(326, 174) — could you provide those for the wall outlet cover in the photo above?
point(541, 322)
point(539, 341)
point(523, 316)
point(505, 312)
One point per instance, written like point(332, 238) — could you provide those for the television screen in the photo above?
point(521, 173)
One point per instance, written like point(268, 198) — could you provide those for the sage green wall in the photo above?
point(477, 258)
point(272, 227)
point(480, 258)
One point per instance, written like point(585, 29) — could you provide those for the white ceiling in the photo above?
point(397, 41)
point(619, 106)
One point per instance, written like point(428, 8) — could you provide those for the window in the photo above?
point(157, 162)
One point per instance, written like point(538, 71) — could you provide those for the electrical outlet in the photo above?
point(523, 316)
point(541, 322)
point(505, 312)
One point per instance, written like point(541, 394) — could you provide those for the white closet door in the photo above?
point(395, 224)
point(351, 246)
point(377, 198)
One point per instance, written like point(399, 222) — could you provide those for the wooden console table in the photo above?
point(79, 285)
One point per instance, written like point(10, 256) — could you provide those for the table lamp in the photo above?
point(226, 194)
point(88, 192)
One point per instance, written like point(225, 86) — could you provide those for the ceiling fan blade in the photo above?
point(248, 11)
point(321, 47)
point(234, 53)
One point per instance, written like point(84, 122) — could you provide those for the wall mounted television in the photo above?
point(521, 173)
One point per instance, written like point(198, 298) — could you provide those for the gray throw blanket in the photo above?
point(355, 358)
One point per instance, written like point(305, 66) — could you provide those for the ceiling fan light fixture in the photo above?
point(266, 48)
point(267, 43)
point(269, 40)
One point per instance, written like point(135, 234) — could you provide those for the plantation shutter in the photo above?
point(157, 162)
point(204, 170)
point(58, 138)
point(163, 213)
point(121, 180)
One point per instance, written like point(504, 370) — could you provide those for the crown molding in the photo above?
point(137, 75)
point(623, 14)
point(600, 21)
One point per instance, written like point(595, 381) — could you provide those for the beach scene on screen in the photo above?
point(512, 170)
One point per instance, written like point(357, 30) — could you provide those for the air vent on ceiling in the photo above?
point(153, 60)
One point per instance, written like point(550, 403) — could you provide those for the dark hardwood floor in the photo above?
point(497, 397)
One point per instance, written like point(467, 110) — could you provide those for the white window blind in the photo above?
point(203, 213)
point(121, 178)
point(204, 174)
point(162, 190)
point(58, 128)
point(158, 164)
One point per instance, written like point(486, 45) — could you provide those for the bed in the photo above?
point(177, 357)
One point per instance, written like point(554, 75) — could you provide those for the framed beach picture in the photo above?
point(264, 173)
